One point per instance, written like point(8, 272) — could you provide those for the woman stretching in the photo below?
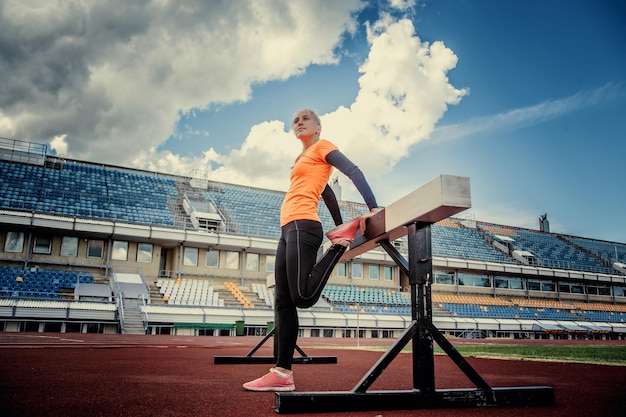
point(300, 277)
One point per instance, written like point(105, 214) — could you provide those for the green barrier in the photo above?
point(239, 327)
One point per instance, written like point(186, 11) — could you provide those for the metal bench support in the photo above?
point(413, 216)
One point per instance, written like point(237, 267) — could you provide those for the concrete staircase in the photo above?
point(231, 301)
point(133, 320)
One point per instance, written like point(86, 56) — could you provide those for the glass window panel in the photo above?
point(95, 248)
point(465, 279)
point(373, 271)
point(388, 271)
point(270, 261)
point(14, 242)
point(69, 246)
point(144, 252)
point(577, 289)
point(357, 270)
point(232, 260)
point(213, 258)
point(252, 261)
point(446, 278)
point(42, 245)
point(120, 250)
point(190, 257)
point(501, 282)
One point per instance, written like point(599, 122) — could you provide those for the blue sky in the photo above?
point(527, 99)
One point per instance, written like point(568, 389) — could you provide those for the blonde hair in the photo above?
point(310, 113)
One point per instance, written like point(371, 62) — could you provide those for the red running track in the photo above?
point(48, 374)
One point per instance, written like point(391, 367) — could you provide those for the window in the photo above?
point(252, 261)
point(534, 286)
point(14, 242)
point(500, 282)
point(474, 280)
point(42, 245)
point(120, 250)
point(232, 260)
point(342, 270)
point(144, 252)
point(270, 262)
point(373, 271)
point(95, 248)
point(357, 270)
point(446, 278)
point(482, 281)
point(388, 271)
point(599, 290)
point(465, 279)
point(190, 257)
point(69, 246)
point(516, 283)
point(213, 258)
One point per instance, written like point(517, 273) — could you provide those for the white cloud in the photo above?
point(402, 4)
point(530, 115)
point(115, 78)
point(59, 145)
point(140, 68)
point(404, 91)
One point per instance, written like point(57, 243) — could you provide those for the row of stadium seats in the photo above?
point(189, 291)
point(372, 309)
point(608, 316)
point(38, 283)
point(473, 310)
point(371, 296)
point(458, 242)
point(264, 293)
point(80, 189)
point(551, 251)
point(610, 252)
point(87, 191)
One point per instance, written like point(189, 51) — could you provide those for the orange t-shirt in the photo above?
point(308, 178)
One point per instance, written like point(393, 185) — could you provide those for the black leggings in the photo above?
point(299, 280)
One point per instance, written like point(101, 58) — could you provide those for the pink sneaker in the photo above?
point(345, 231)
point(272, 382)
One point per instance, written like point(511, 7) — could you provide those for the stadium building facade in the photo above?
point(88, 247)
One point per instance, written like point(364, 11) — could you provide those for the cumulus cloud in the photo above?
point(404, 91)
point(109, 84)
point(115, 78)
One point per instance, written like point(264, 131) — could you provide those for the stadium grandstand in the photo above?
point(96, 248)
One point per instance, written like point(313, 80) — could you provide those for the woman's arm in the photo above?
point(348, 168)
